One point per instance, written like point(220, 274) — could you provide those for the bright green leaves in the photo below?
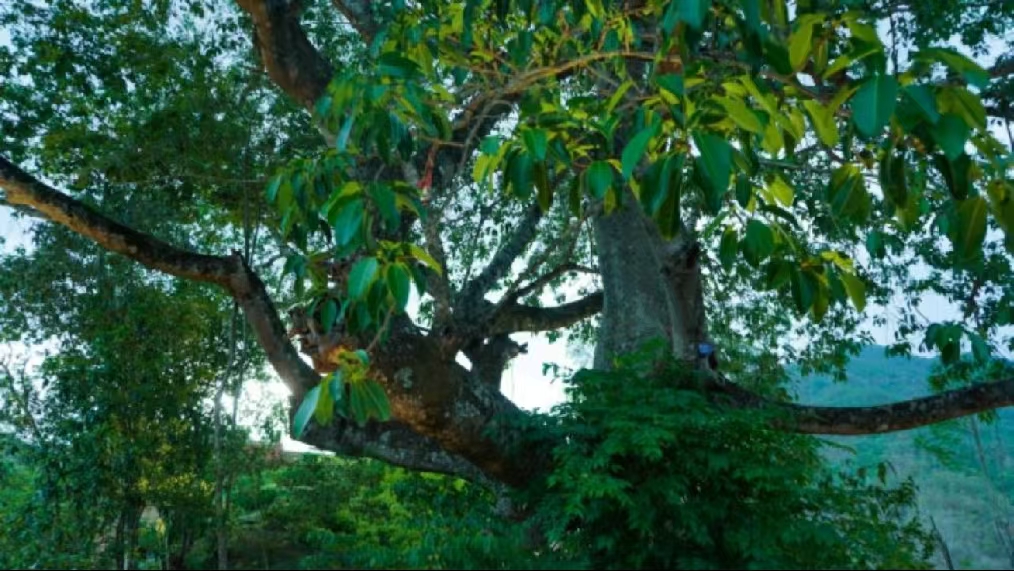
point(856, 290)
point(759, 242)
point(715, 166)
point(967, 230)
point(351, 391)
point(823, 122)
point(874, 103)
point(801, 42)
point(847, 195)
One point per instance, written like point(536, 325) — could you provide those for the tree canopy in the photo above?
point(737, 183)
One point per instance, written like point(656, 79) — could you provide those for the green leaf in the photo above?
point(823, 122)
point(323, 106)
point(856, 290)
point(781, 191)
point(715, 161)
point(305, 411)
point(728, 247)
point(874, 104)
point(490, 144)
point(424, 257)
point(962, 102)
point(349, 221)
point(363, 356)
point(951, 132)
point(847, 194)
point(536, 142)
point(361, 276)
point(924, 99)
point(693, 12)
point(394, 64)
point(971, 71)
point(634, 150)
point(599, 178)
point(519, 175)
point(671, 82)
point(957, 174)
point(742, 115)
point(271, 193)
point(804, 289)
point(386, 202)
point(328, 314)
point(760, 242)
point(799, 45)
point(969, 230)
point(744, 190)
point(398, 283)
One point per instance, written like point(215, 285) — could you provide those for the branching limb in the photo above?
point(472, 293)
point(515, 318)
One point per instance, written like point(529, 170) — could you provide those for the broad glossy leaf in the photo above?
point(963, 103)
point(847, 194)
point(956, 173)
point(759, 242)
point(635, 149)
point(823, 122)
point(536, 142)
point(394, 64)
point(715, 160)
point(980, 348)
point(519, 174)
point(951, 133)
point(599, 178)
point(349, 221)
point(386, 202)
point(544, 191)
point(800, 44)
point(380, 406)
point(925, 100)
point(398, 283)
point(672, 83)
point(361, 276)
point(874, 104)
point(305, 411)
point(743, 116)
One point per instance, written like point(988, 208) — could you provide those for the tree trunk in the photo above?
point(652, 288)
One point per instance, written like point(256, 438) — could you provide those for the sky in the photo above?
point(523, 381)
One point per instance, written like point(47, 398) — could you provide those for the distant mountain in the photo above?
point(964, 468)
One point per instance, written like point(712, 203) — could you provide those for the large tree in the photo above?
point(779, 158)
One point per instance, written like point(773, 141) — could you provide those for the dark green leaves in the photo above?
point(759, 242)
point(874, 104)
point(693, 12)
point(847, 194)
point(393, 64)
point(715, 164)
point(519, 174)
point(599, 178)
point(634, 150)
point(950, 132)
point(348, 221)
point(361, 276)
point(398, 283)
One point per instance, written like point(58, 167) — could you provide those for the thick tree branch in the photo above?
point(229, 272)
point(514, 318)
point(393, 443)
point(363, 16)
point(292, 62)
point(432, 396)
point(861, 420)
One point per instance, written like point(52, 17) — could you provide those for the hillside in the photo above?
point(963, 468)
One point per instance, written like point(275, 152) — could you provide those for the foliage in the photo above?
point(656, 477)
